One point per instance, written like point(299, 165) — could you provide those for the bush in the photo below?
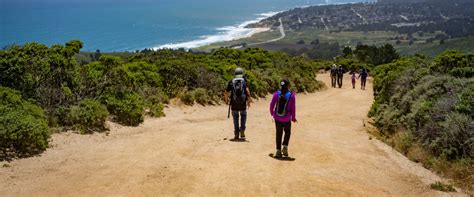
point(88, 116)
point(425, 109)
point(187, 98)
point(127, 108)
point(23, 126)
point(417, 96)
point(442, 187)
point(200, 96)
point(156, 110)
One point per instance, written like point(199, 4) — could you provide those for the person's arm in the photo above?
point(249, 97)
point(226, 97)
point(272, 104)
point(293, 107)
point(227, 93)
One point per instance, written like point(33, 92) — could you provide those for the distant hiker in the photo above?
point(333, 75)
point(239, 101)
point(363, 75)
point(283, 111)
point(340, 74)
point(353, 79)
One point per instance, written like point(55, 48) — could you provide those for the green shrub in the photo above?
point(436, 108)
point(127, 108)
point(466, 103)
point(156, 110)
point(200, 96)
point(442, 187)
point(23, 126)
point(88, 116)
point(187, 97)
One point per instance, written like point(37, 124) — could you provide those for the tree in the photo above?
point(97, 55)
point(347, 51)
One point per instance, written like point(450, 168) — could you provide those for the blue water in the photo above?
point(127, 25)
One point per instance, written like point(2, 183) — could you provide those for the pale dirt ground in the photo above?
point(186, 154)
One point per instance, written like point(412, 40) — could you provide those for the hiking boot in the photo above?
point(285, 151)
point(278, 154)
point(242, 134)
point(236, 135)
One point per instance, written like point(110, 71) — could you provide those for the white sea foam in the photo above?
point(227, 33)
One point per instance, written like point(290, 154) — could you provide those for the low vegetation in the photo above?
point(47, 87)
point(425, 109)
point(442, 187)
point(23, 127)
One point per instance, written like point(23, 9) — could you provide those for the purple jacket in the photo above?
point(290, 109)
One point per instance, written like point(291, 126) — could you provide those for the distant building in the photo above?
point(400, 1)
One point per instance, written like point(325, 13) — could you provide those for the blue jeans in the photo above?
point(243, 119)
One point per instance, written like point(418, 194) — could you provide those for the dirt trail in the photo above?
point(185, 154)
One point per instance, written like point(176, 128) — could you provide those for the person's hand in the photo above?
point(248, 105)
point(294, 120)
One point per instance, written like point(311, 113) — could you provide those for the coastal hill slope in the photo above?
point(188, 152)
point(426, 27)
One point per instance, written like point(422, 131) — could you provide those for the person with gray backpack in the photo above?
point(333, 75)
point(283, 111)
point(237, 95)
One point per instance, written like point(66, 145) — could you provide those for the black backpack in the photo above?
point(340, 71)
point(283, 100)
point(238, 90)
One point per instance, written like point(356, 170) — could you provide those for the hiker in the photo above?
point(340, 73)
point(353, 79)
point(333, 75)
point(283, 111)
point(363, 75)
point(239, 101)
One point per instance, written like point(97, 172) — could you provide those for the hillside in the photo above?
point(418, 27)
point(188, 153)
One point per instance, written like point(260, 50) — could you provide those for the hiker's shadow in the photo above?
point(238, 140)
point(282, 158)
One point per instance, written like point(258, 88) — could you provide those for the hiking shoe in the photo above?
point(285, 151)
point(242, 134)
point(278, 154)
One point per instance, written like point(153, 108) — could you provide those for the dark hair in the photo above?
point(284, 83)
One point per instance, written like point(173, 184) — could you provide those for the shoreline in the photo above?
point(227, 33)
point(236, 32)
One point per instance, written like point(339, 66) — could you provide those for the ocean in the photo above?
point(126, 25)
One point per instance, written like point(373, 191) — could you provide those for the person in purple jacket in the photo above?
point(283, 111)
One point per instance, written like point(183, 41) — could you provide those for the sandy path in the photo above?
point(186, 154)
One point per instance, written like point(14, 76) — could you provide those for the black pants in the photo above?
point(339, 81)
point(333, 81)
point(280, 126)
point(362, 83)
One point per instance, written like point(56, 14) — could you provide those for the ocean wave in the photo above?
point(227, 33)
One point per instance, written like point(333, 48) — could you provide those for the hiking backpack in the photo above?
point(340, 71)
point(238, 90)
point(333, 71)
point(282, 103)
